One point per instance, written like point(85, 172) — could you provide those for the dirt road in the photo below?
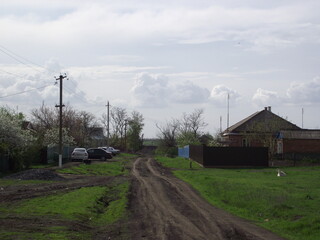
point(164, 208)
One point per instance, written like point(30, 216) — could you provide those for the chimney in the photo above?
point(269, 108)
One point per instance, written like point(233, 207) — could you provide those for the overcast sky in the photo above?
point(164, 58)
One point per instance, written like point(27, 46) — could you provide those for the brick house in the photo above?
point(265, 128)
point(299, 144)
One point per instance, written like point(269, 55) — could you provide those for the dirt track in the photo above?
point(164, 207)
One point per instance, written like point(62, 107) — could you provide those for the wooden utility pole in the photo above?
point(60, 78)
point(108, 122)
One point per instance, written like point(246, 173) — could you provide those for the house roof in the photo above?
point(299, 134)
point(266, 117)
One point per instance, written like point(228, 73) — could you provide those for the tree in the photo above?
point(78, 125)
point(14, 140)
point(264, 132)
point(51, 137)
point(190, 128)
point(118, 118)
point(167, 136)
point(134, 136)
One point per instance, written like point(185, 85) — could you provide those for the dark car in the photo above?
point(98, 153)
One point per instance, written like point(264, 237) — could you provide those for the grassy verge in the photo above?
point(287, 205)
point(94, 205)
point(100, 207)
point(178, 163)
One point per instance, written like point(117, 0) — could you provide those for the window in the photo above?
point(245, 142)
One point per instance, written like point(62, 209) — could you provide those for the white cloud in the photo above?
point(189, 93)
point(100, 23)
point(150, 90)
point(263, 98)
point(219, 96)
point(157, 91)
point(305, 93)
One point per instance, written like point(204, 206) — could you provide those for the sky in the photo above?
point(164, 58)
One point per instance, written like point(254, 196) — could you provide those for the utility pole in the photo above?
point(125, 133)
point(60, 78)
point(228, 114)
point(108, 122)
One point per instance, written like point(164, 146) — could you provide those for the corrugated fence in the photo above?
point(227, 156)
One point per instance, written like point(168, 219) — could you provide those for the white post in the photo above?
point(60, 160)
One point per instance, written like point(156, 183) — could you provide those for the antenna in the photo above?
point(228, 112)
point(302, 112)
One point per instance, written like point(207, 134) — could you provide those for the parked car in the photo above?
point(112, 150)
point(79, 154)
point(98, 153)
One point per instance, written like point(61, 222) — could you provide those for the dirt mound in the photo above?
point(36, 174)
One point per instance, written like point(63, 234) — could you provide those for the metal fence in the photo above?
point(4, 163)
point(230, 156)
point(184, 152)
point(53, 154)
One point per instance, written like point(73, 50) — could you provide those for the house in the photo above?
point(299, 144)
point(252, 130)
point(267, 129)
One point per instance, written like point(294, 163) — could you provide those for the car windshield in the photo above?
point(79, 150)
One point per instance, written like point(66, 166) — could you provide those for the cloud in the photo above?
point(156, 91)
point(305, 93)
point(95, 24)
point(150, 90)
point(188, 92)
point(219, 96)
point(263, 98)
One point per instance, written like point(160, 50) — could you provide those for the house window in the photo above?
point(279, 147)
point(245, 142)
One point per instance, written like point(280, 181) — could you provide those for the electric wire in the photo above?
point(13, 74)
point(30, 90)
point(18, 58)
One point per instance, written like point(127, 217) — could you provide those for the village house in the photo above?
point(283, 138)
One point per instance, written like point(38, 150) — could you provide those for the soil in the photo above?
point(165, 207)
point(60, 183)
point(161, 207)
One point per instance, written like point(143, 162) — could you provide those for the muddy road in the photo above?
point(166, 208)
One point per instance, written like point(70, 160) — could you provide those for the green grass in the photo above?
point(178, 163)
point(288, 206)
point(98, 207)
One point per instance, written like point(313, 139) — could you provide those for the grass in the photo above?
point(288, 206)
point(178, 163)
point(99, 206)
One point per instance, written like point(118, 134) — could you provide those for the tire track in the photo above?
point(165, 207)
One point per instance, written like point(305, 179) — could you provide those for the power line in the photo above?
point(18, 59)
point(14, 94)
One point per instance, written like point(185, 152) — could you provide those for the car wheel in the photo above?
point(103, 159)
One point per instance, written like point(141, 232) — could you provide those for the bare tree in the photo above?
point(196, 122)
point(78, 125)
point(168, 133)
point(118, 118)
point(190, 128)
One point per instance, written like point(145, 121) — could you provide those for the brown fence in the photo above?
point(230, 156)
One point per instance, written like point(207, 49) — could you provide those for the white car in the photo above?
point(111, 150)
point(79, 154)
